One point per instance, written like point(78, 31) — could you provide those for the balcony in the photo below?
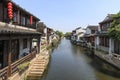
point(7, 28)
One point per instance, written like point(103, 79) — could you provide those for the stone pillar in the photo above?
point(97, 41)
point(110, 46)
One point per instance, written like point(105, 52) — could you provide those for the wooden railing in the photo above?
point(3, 73)
point(14, 69)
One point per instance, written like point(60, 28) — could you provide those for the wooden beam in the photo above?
point(38, 44)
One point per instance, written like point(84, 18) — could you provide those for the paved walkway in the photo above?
point(109, 58)
point(38, 66)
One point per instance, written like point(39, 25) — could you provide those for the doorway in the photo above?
point(1, 53)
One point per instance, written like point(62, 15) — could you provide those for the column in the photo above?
point(18, 16)
point(31, 48)
point(38, 44)
point(97, 42)
point(9, 59)
point(110, 46)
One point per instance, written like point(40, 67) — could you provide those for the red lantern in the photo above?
point(9, 4)
point(31, 20)
point(10, 11)
point(9, 7)
point(10, 16)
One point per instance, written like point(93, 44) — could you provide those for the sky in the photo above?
point(66, 15)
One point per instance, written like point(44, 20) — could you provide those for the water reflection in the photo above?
point(70, 62)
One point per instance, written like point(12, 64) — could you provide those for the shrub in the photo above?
point(23, 66)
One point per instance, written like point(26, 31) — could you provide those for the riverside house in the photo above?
point(49, 35)
point(77, 34)
point(90, 33)
point(16, 38)
point(103, 41)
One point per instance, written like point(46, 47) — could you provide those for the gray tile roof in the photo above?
point(93, 27)
point(107, 18)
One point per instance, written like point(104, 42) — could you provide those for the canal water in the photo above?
point(70, 62)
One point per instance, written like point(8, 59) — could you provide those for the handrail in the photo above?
point(3, 72)
point(14, 69)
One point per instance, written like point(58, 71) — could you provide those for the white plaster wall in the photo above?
point(97, 41)
point(111, 46)
point(99, 28)
point(80, 35)
point(88, 31)
point(34, 44)
point(80, 30)
point(21, 50)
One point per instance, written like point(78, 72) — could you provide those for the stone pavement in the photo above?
point(109, 58)
point(38, 66)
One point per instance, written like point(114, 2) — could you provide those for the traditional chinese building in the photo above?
point(16, 34)
point(103, 41)
point(90, 33)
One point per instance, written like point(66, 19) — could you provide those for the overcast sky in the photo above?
point(66, 15)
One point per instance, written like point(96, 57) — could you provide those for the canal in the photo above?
point(70, 62)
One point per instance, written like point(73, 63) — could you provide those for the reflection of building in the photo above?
point(16, 38)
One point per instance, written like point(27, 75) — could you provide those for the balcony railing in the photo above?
point(14, 69)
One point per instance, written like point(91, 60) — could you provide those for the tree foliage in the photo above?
point(59, 33)
point(67, 34)
point(114, 29)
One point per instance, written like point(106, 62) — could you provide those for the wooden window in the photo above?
point(24, 43)
point(23, 20)
point(5, 15)
point(15, 17)
point(1, 12)
point(28, 21)
point(15, 50)
point(92, 31)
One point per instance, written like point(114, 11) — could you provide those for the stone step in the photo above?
point(38, 64)
point(37, 70)
point(33, 77)
point(38, 67)
point(35, 73)
point(40, 61)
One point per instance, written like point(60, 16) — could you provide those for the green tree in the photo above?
point(59, 33)
point(114, 29)
point(67, 34)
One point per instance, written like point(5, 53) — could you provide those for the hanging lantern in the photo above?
point(31, 20)
point(10, 11)
point(10, 16)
